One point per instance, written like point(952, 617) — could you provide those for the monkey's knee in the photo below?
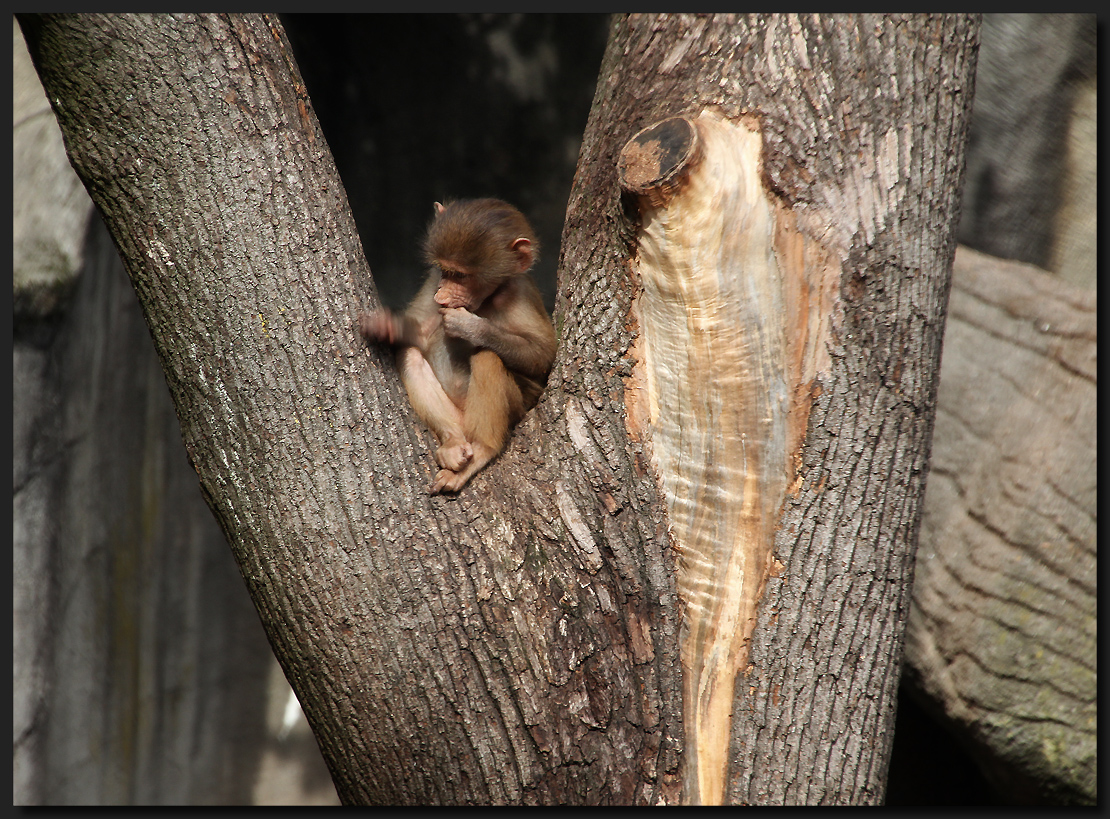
point(494, 401)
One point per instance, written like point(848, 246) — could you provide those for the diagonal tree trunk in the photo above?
point(535, 639)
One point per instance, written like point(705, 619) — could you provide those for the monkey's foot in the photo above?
point(454, 456)
point(448, 480)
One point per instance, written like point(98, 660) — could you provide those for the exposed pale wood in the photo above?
point(733, 313)
point(867, 162)
point(714, 354)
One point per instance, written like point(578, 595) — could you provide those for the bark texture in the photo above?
point(1002, 634)
point(863, 122)
point(515, 644)
point(519, 643)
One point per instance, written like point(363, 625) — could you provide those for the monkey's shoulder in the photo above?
point(517, 294)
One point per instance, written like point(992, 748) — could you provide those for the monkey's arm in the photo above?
point(386, 327)
point(523, 339)
point(412, 328)
point(513, 324)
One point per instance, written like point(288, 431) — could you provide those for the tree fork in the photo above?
point(520, 644)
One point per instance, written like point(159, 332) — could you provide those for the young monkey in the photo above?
point(475, 346)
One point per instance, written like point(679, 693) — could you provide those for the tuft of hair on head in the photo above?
point(477, 234)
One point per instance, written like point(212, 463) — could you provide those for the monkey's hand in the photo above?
point(458, 322)
point(377, 326)
point(383, 327)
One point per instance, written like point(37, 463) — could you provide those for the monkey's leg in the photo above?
point(493, 404)
point(435, 408)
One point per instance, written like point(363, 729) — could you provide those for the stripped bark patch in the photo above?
point(724, 390)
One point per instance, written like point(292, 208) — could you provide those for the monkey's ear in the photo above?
point(522, 247)
point(439, 208)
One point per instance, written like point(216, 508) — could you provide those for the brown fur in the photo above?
point(476, 345)
point(476, 234)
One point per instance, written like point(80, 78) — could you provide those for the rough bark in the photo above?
point(168, 696)
point(476, 649)
point(1001, 637)
point(869, 165)
point(114, 650)
point(519, 643)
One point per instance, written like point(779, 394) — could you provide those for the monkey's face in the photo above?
point(457, 289)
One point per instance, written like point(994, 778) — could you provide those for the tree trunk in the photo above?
point(521, 642)
point(863, 122)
